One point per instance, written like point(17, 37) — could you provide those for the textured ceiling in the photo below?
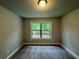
point(30, 8)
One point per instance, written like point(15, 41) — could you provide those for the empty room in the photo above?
point(39, 29)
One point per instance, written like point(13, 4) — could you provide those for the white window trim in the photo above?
point(41, 38)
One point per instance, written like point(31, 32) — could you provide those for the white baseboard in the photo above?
point(76, 56)
point(14, 52)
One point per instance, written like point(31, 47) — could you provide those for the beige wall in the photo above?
point(55, 30)
point(10, 32)
point(70, 31)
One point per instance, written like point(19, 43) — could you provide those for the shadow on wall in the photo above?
point(10, 32)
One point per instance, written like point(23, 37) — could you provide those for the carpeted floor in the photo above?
point(42, 52)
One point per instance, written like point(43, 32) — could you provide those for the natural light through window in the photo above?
point(41, 30)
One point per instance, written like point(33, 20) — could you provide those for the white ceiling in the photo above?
point(30, 8)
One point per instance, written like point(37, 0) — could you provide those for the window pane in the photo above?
point(36, 36)
point(46, 26)
point(46, 34)
point(35, 32)
point(35, 26)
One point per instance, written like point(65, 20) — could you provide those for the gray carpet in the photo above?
point(42, 52)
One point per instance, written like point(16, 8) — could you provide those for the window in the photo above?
point(41, 30)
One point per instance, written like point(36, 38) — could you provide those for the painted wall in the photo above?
point(70, 31)
point(55, 30)
point(10, 32)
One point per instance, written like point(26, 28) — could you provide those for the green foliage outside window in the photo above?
point(37, 26)
point(46, 26)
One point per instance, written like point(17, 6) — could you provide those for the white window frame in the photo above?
point(41, 22)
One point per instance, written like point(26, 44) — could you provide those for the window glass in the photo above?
point(45, 32)
point(35, 32)
point(36, 36)
point(41, 30)
point(46, 26)
point(35, 26)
